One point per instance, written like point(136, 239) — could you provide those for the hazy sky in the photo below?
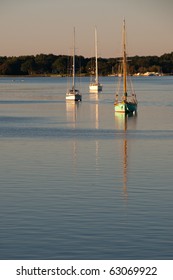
point(29, 27)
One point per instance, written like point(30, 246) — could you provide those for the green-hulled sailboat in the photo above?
point(128, 102)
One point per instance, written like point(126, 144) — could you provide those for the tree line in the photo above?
point(46, 64)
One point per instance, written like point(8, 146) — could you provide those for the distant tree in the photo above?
point(90, 66)
point(103, 66)
point(11, 66)
point(28, 67)
point(112, 66)
point(59, 66)
point(2, 59)
point(81, 64)
point(166, 63)
point(142, 70)
point(50, 63)
point(155, 68)
point(44, 63)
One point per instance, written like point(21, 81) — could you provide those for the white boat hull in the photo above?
point(73, 95)
point(95, 87)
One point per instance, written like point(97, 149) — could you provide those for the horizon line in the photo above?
point(42, 53)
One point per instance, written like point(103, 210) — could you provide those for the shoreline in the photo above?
point(66, 76)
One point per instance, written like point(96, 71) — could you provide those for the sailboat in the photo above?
point(95, 86)
point(128, 102)
point(73, 94)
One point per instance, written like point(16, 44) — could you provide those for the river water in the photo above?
point(78, 181)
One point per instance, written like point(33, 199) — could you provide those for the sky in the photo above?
point(30, 27)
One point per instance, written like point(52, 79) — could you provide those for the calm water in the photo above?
point(78, 182)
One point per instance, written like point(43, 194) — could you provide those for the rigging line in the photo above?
point(120, 75)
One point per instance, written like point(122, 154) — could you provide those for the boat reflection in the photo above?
point(71, 113)
point(122, 121)
point(95, 108)
point(94, 98)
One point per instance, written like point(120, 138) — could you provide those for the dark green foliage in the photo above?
point(45, 64)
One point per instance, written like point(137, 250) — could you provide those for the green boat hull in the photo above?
point(125, 107)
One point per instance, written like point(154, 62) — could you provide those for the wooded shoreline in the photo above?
point(61, 65)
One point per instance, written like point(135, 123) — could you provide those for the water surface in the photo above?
point(78, 181)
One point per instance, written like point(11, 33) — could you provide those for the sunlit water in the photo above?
point(78, 181)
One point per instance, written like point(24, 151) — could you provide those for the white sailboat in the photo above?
point(95, 86)
point(73, 94)
point(128, 102)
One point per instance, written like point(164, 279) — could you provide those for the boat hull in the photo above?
point(125, 107)
point(73, 96)
point(95, 87)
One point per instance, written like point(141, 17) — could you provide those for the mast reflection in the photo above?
point(71, 115)
point(94, 97)
point(122, 121)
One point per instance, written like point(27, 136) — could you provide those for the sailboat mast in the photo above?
point(74, 58)
point(124, 61)
point(96, 55)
